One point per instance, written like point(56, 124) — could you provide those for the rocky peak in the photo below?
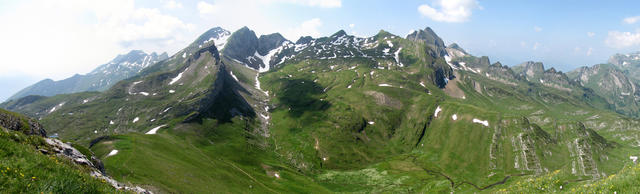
point(217, 34)
point(431, 39)
point(530, 70)
point(304, 40)
point(340, 33)
point(269, 42)
point(453, 50)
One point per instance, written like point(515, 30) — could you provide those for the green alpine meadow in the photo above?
point(251, 112)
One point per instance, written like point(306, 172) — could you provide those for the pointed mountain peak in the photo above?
point(339, 33)
point(304, 40)
point(433, 41)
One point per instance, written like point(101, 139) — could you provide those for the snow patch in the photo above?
point(177, 78)
point(234, 76)
point(136, 119)
point(397, 56)
point(438, 109)
point(144, 93)
point(112, 153)
point(258, 84)
point(483, 122)
point(172, 91)
point(633, 158)
point(111, 123)
point(454, 117)
point(390, 43)
point(154, 130)
point(385, 85)
point(184, 55)
point(422, 84)
point(371, 122)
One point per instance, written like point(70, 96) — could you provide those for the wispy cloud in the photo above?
point(307, 28)
point(591, 34)
point(449, 10)
point(631, 20)
point(206, 8)
point(589, 51)
point(171, 4)
point(311, 3)
point(617, 39)
point(537, 29)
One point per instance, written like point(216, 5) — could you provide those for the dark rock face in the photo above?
point(304, 40)
point(15, 122)
point(431, 39)
point(241, 46)
point(246, 47)
point(268, 42)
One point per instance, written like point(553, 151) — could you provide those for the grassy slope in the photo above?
point(200, 158)
point(25, 170)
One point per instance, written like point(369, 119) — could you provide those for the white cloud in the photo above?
point(617, 39)
point(537, 28)
point(536, 46)
point(631, 20)
point(171, 4)
point(205, 8)
point(77, 36)
point(591, 34)
point(449, 10)
point(589, 51)
point(311, 3)
point(307, 28)
point(352, 25)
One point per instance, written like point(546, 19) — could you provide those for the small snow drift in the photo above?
point(385, 85)
point(177, 78)
point(234, 76)
point(112, 153)
point(136, 119)
point(483, 122)
point(172, 91)
point(454, 117)
point(154, 130)
point(438, 109)
point(371, 122)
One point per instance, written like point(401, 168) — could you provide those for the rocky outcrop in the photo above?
point(97, 169)
point(15, 122)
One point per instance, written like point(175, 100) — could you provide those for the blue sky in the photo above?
point(56, 39)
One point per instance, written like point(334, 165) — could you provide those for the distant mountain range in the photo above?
point(100, 79)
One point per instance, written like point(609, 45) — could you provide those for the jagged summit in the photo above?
point(431, 39)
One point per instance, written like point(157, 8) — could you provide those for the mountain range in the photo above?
point(234, 112)
point(100, 79)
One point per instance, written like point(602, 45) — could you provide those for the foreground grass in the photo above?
point(24, 170)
